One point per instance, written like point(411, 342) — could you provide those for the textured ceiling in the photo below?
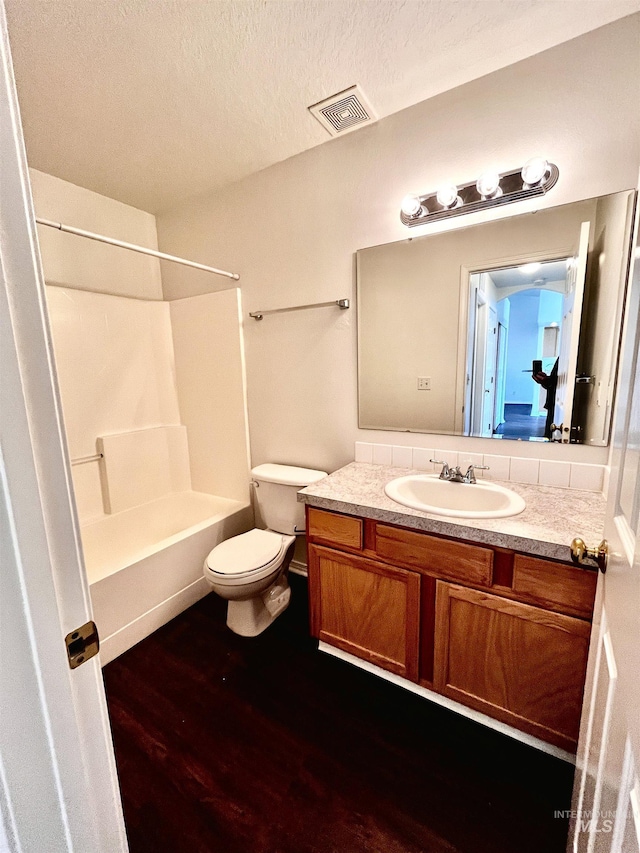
point(153, 101)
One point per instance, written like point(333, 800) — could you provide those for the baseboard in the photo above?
point(126, 637)
point(297, 567)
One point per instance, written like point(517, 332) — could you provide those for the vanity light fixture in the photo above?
point(535, 178)
point(488, 185)
point(410, 205)
point(447, 196)
point(534, 171)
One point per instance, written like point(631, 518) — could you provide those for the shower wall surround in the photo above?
point(115, 364)
point(158, 388)
point(210, 382)
point(129, 363)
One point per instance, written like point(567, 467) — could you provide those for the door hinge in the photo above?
point(82, 644)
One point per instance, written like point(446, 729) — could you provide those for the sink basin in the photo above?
point(428, 493)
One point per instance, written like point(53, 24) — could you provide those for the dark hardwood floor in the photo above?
point(266, 745)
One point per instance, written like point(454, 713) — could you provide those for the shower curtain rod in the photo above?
point(69, 229)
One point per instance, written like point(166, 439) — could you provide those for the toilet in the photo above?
point(250, 570)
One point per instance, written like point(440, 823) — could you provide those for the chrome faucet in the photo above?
point(470, 476)
point(455, 475)
point(445, 474)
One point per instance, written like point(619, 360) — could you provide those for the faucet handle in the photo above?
point(446, 471)
point(470, 476)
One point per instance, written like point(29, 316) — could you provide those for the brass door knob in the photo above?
point(580, 552)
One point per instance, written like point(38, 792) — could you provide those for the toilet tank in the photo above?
point(276, 489)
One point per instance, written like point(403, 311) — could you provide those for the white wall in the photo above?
point(86, 264)
point(291, 231)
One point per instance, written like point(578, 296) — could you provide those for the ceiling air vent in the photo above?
point(344, 111)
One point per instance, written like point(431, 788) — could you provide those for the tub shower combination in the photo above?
point(145, 529)
point(144, 557)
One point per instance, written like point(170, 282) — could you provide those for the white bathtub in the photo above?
point(145, 564)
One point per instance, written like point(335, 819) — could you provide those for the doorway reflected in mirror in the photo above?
point(518, 318)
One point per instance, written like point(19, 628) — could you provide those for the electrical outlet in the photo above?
point(424, 383)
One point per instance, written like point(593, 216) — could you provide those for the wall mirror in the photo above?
point(508, 329)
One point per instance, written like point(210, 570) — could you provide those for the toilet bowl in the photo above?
point(250, 570)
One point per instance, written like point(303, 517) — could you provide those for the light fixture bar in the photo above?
point(512, 188)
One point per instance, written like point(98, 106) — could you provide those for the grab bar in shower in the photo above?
point(82, 459)
point(341, 303)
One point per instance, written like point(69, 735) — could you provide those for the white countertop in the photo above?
point(550, 521)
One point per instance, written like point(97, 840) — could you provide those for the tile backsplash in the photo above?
point(543, 472)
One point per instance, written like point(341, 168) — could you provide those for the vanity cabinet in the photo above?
point(503, 633)
point(367, 608)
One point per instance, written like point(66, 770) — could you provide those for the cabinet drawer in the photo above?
point(554, 585)
point(334, 529)
point(453, 560)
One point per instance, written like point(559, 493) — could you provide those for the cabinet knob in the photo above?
point(580, 552)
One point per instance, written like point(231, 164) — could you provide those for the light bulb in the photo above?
point(488, 184)
point(447, 195)
point(529, 269)
point(534, 171)
point(411, 205)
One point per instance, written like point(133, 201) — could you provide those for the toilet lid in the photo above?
point(245, 553)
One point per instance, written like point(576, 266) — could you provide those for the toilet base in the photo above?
point(251, 617)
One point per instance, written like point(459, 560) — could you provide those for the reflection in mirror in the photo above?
point(517, 320)
point(508, 329)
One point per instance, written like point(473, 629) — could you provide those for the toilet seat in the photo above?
point(247, 557)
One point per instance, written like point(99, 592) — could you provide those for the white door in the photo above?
point(570, 334)
point(58, 784)
point(501, 375)
point(471, 332)
point(479, 360)
point(606, 796)
point(490, 370)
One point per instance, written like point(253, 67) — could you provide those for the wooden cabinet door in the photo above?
point(366, 608)
point(519, 664)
